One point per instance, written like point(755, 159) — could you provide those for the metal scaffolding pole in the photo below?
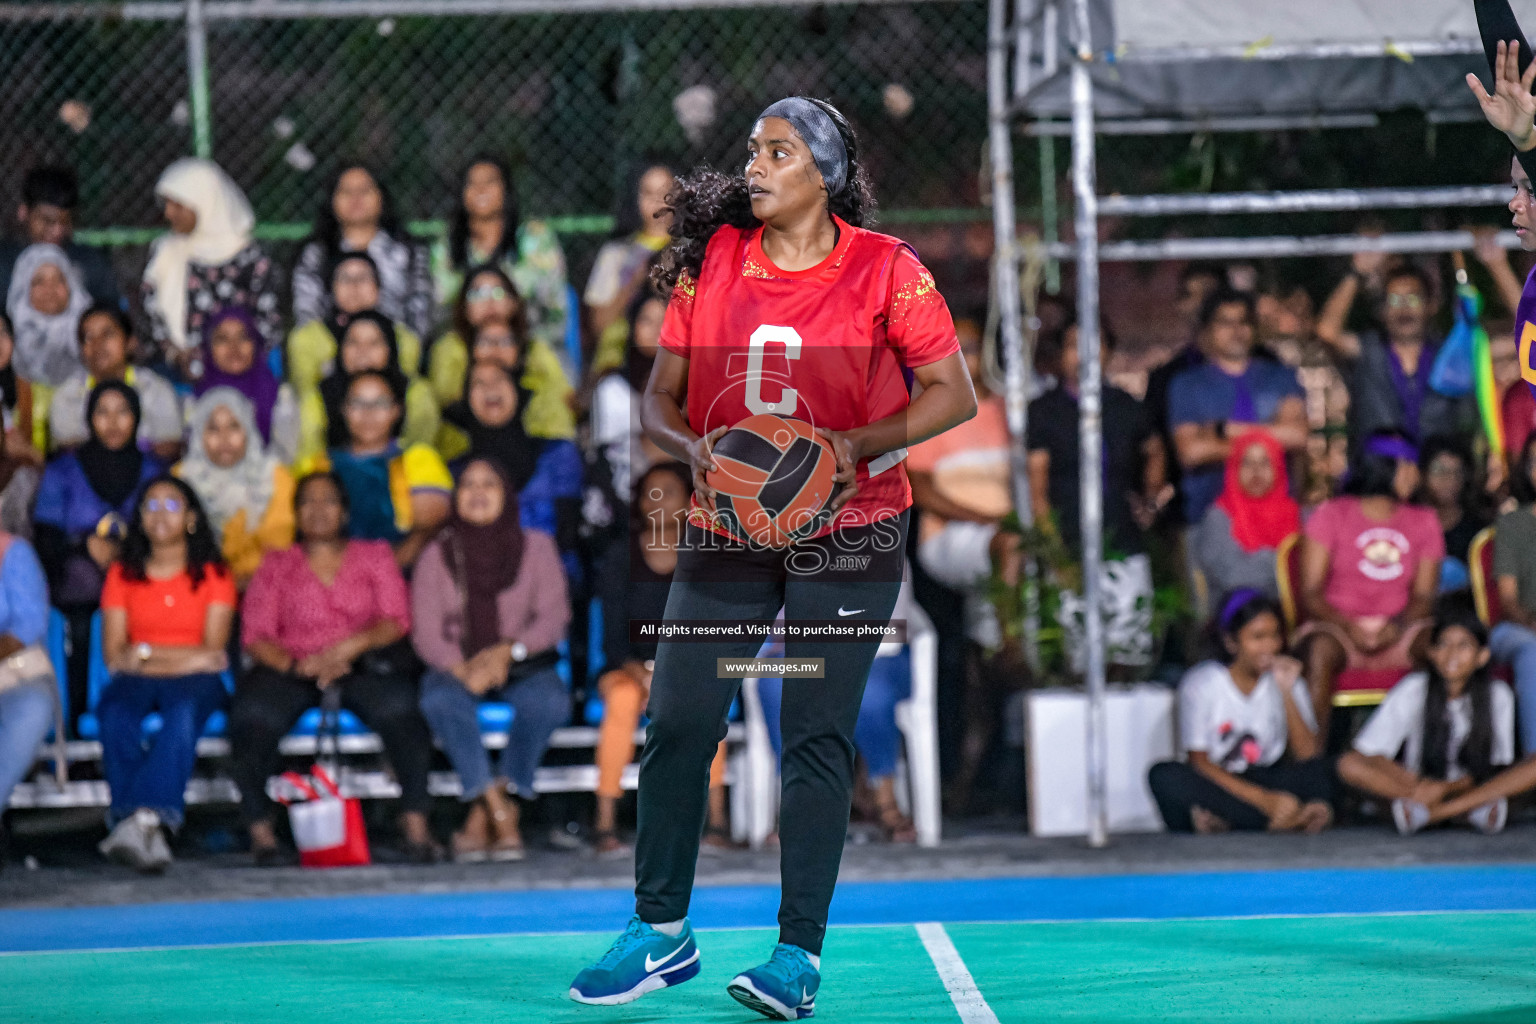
point(197, 79)
point(1005, 278)
point(1278, 246)
point(1005, 264)
point(1090, 419)
point(1306, 201)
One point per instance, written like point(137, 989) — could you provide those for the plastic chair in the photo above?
point(1485, 591)
point(573, 328)
point(98, 677)
point(917, 717)
point(1354, 687)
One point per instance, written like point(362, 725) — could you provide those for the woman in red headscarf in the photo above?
point(1234, 546)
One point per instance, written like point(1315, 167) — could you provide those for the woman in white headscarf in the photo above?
point(246, 491)
point(46, 298)
point(207, 261)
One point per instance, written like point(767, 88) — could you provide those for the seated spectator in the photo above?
point(642, 227)
point(30, 709)
point(1513, 640)
point(1518, 411)
point(84, 503)
point(615, 436)
point(960, 487)
point(490, 323)
point(20, 461)
point(1445, 463)
point(1441, 744)
point(1251, 741)
point(876, 735)
point(45, 301)
point(106, 337)
point(488, 609)
point(961, 491)
point(632, 584)
point(207, 260)
point(1213, 404)
point(1389, 368)
point(1235, 545)
point(1134, 474)
point(235, 356)
point(368, 343)
point(49, 197)
point(310, 355)
point(357, 216)
point(1369, 572)
point(545, 472)
point(166, 612)
point(395, 494)
point(246, 492)
point(485, 230)
point(328, 612)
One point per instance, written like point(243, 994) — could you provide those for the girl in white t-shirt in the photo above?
point(1442, 744)
point(1250, 734)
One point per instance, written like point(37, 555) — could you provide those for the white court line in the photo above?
point(973, 1009)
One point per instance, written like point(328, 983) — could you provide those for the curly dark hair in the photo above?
point(202, 542)
point(707, 200)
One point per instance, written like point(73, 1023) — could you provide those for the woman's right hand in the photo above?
point(701, 459)
point(1510, 108)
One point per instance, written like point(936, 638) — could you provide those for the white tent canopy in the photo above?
point(1291, 59)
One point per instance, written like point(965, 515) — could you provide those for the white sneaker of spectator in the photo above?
point(138, 842)
point(1489, 819)
point(1409, 815)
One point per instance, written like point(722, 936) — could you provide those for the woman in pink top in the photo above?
point(328, 616)
point(488, 609)
point(1369, 571)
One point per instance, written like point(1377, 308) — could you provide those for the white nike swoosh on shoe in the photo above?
point(651, 965)
point(853, 612)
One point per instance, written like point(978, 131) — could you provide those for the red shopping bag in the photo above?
point(327, 827)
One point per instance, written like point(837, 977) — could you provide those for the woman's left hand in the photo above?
point(845, 446)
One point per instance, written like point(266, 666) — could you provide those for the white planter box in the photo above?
point(1140, 719)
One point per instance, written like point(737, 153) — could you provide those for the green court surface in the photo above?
point(1402, 969)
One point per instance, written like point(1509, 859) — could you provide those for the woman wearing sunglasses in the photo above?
point(166, 611)
point(490, 322)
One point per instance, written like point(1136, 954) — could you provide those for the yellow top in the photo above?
point(311, 353)
point(549, 412)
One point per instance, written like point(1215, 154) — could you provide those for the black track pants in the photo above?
point(688, 707)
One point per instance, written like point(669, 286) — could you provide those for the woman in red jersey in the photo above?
point(781, 302)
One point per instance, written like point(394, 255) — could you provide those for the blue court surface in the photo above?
point(1400, 945)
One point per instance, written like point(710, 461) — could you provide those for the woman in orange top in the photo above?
point(166, 610)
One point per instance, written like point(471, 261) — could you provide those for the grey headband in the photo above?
point(822, 137)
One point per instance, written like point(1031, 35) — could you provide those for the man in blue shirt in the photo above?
point(1231, 393)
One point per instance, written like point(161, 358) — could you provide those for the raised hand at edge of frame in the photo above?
point(1510, 108)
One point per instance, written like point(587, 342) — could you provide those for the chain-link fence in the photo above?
point(571, 99)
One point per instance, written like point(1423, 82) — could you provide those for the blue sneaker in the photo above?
point(639, 961)
point(784, 988)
